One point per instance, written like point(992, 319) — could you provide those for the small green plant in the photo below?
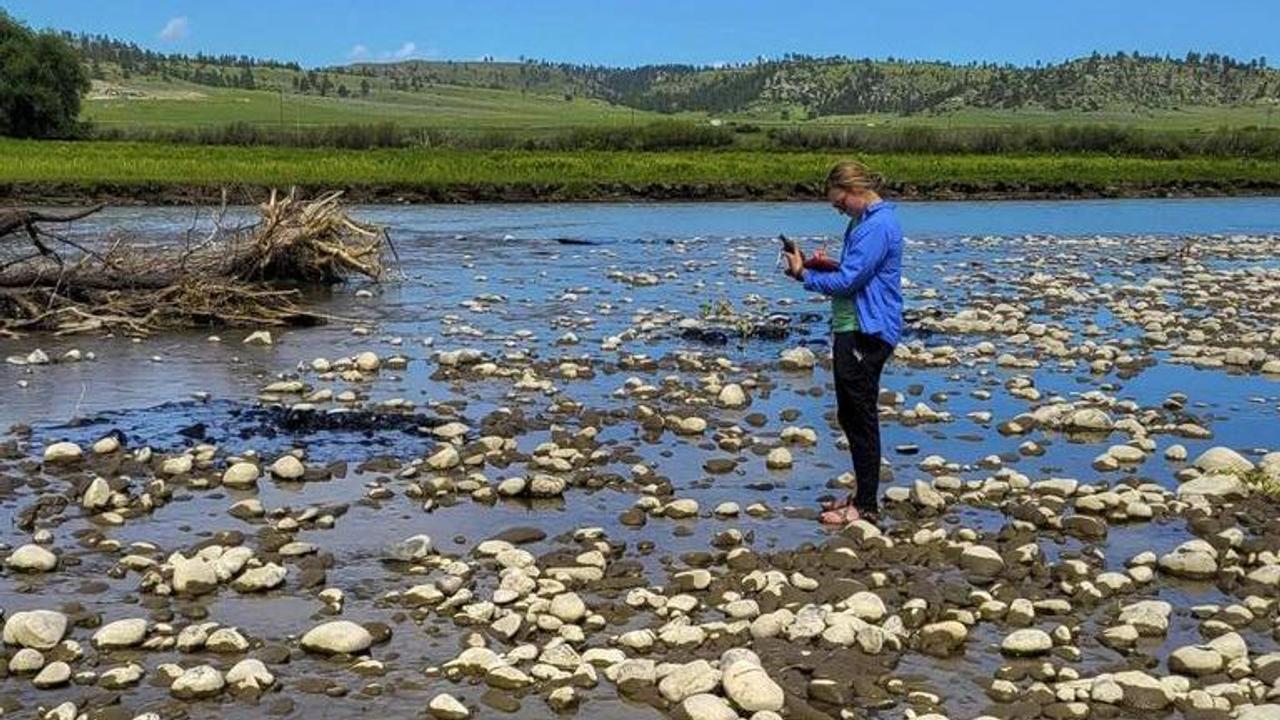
point(1262, 482)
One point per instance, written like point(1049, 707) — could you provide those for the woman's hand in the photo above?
point(795, 262)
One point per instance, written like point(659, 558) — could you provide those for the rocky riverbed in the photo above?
point(583, 480)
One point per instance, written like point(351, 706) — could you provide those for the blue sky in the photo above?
point(324, 32)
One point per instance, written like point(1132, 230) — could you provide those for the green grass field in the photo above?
point(127, 163)
point(143, 102)
point(152, 103)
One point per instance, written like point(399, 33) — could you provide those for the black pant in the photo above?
point(858, 360)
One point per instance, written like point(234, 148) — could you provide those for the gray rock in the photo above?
point(1141, 691)
point(944, 638)
point(631, 675)
point(981, 560)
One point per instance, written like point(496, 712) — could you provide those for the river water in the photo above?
point(499, 279)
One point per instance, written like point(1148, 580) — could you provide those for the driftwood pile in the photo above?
point(249, 276)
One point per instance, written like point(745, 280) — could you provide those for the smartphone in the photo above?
point(788, 245)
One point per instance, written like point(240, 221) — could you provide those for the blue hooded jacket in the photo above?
point(870, 272)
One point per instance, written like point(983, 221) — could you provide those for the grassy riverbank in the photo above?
point(159, 172)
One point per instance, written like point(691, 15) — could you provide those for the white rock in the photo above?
point(1027, 642)
point(261, 338)
point(62, 452)
point(195, 576)
point(288, 467)
point(1213, 486)
point(31, 558)
point(446, 707)
point(368, 361)
point(250, 674)
point(705, 706)
point(26, 660)
point(38, 629)
point(799, 358)
point(1141, 691)
point(689, 679)
point(568, 607)
point(52, 675)
point(97, 495)
point(177, 465)
point(201, 681)
point(732, 396)
point(751, 688)
point(260, 579)
point(241, 475)
point(779, 459)
point(1222, 459)
point(339, 636)
point(981, 560)
point(120, 634)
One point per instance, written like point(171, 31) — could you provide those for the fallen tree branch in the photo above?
point(222, 279)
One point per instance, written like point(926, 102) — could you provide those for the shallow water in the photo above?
point(701, 253)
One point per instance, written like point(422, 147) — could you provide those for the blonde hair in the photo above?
point(853, 175)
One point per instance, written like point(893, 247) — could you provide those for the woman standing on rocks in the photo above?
point(866, 321)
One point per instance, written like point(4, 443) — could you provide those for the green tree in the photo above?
point(41, 82)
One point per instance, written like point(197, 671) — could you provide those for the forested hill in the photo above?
point(833, 86)
point(795, 85)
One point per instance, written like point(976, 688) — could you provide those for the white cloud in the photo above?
point(406, 50)
point(175, 29)
point(358, 52)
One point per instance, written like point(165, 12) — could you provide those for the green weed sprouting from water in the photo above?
point(1263, 482)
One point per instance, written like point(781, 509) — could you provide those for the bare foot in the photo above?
point(840, 516)
point(838, 504)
